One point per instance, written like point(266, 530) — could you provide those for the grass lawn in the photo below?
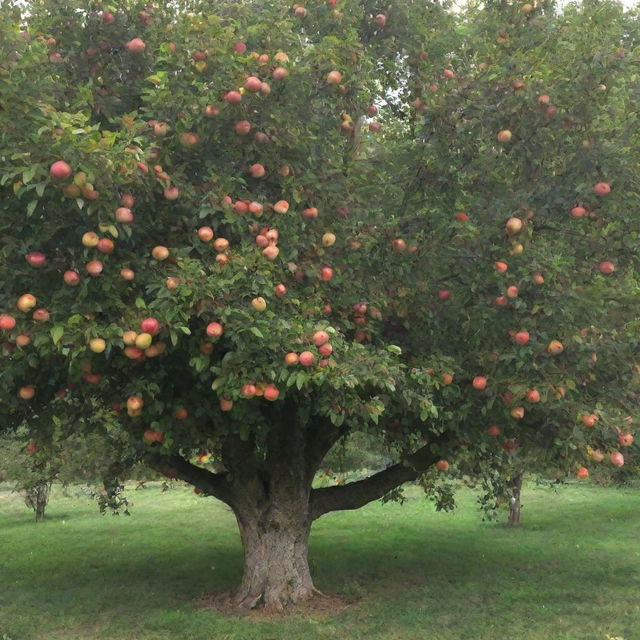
point(570, 572)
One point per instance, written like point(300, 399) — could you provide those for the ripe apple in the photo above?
point(160, 253)
point(133, 353)
point(27, 392)
point(291, 358)
point(280, 290)
point(189, 139)
point(326, 273)
point(7, 322)
point(90, 239)
point(606, 268)
point(136, 45)
point(555, 347)
point(533, 396)
point(449, 74)
point(494, 430)
point(152, 435)
point(129, 338)
point(248, 390)
point(233, 97)
point(589, 420)
point(124, 215)
point(108, 17)
point(442, 465)
point(399, 245)
point(257, 170)
point(271, 392)
point(514, 225)
point(375, 127)
point(259, 304)
point(279, 73)
point(504, 136)
point(517, 413)
point(538, 278)
point(447, 379)
point(127, 200)
point(521, 337)
point(512, 291)
point(578, 212)
point(602, 188)
point(500, 267)
point(127, 274)
point(215, 329)
point(26, 302)
point(582, 473)
point(380, 20)
point(240, 47)
point(255, 208)
point(105, 245)
point(479, 383)
point(205, 234)
point(243, 127)
point(444, 294)
point(134, 403)
point(310, 213)
point(306, 359)
point(97, 345)
point(36, 259)
point(240, 206)
point(334, 77)
point(328, 239)
point(253, 84)
point(60, 170)
point(282, 206)
point(211, 111)
point(172, 283)
point(143, 341)
point(462, 217)
point(319, 338)
point(625, 439)
point(501, 301)
point(150, 325)
point(41, 315)
point(271, 252)
point(617, 458)
point(171, 193)
point(226, 404)
point(220, 244)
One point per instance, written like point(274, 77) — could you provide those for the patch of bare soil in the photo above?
point(320, 606)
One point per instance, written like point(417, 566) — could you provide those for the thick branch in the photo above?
point(213, 484)
point(356, 494)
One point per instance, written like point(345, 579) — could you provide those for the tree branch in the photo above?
point(213, 484)
point(356, 494)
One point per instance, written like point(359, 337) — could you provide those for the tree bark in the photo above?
point(37, 498)
point(514, 500)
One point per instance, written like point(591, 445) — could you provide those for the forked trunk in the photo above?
point(514, 502)
point(276, 567)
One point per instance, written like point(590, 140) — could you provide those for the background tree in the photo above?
point(254, 231)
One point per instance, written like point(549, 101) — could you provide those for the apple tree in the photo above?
point(255, 230)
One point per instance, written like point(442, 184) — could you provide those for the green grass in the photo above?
point(570, 572)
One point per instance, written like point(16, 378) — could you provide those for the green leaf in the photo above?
point(56, 333)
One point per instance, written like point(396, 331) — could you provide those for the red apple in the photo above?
point(226, 404)
point(555, 347)
point(60, 170)
point(280, 290)
point(36, 259)
point(27, 392)
point(248, 390)
point(105, 245)
point(307, 359)
point(291, 358)
point(512, 291)
point(589, 420)
point(521, 337)
point(257, 170)
point(399, 245)
point(233, 97)
point(602, 188)
point(380, 20)
point(582, 473)
point(215, 329)
point(606, 268)
point(334, 77)
point(205, 234)
point(494, 430)
point(533, 396)
point(444, 294)
point(136, 45)
point(7, 322)
point(504, 136)
point(124, 215)
point(253, 84)
point(127, 274)
point(479, 383)
point(449, 74)
point(211, 111)
point(326, 273)
point(160, 253)
point(625, 439)
point(320, 338)
point(171, 193)
point(240, 47)
point(282, 206)
point(220, 244)
point(271, 252)
point(617, 458)
point(150, 326)
point(271, 392)
point(578, 212)
point(442, 465)
point(310, 213)
point(242, 127)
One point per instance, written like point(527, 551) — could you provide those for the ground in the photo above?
point(570, 572)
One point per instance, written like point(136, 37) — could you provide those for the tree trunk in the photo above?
point(37, 498)
point(276, 567)
point(514, 501)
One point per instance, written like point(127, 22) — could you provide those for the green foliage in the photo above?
point(79, 94)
